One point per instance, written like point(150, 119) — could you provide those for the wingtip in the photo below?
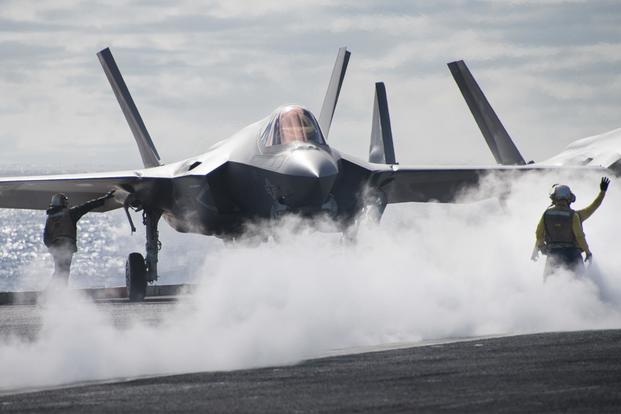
point(345, 50)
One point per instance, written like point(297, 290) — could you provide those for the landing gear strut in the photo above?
point(373, 204)
point(138, 270)
point(150, 218)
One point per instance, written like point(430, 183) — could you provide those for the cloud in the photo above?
point(202, 70)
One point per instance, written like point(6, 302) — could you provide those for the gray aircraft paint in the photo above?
point(382, 149)
point(504, 150)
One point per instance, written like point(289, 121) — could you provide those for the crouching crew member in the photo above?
point(60, 232)
point(559, 233)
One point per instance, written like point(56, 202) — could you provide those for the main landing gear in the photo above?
point(138, 270)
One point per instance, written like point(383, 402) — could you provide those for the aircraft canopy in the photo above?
point(292, 124)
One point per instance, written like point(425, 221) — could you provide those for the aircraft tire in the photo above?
point(136, 277)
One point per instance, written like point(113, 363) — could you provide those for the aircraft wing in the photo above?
point(440, 184)
point(35, 192)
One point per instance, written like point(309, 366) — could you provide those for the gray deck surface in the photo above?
point(24, 321)
point(553, 372)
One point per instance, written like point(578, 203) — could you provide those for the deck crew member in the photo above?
point(60, 234)
point(559, 233)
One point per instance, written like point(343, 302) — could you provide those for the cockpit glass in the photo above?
point(293, 124)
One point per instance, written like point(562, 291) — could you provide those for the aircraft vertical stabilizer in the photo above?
point(504, 150)
point(381, 150)
point(150, 157)
point(334, 89)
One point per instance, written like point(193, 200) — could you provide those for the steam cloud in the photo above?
point(429, 271)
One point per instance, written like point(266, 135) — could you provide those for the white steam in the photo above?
point(428, 271)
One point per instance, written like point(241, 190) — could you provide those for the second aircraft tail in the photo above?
point(504, 150)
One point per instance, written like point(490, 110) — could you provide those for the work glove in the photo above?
point(603, 185)
point(589, 258)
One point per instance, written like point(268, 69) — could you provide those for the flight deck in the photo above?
point(551, 372)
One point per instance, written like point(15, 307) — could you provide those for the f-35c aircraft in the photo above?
point(280, 164)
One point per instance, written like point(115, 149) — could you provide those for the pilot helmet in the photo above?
point(561, 192)
point(59, 200)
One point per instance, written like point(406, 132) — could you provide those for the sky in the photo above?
point(201, 70)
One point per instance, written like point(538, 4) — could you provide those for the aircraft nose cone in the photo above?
point(311, 163)
point(312, 173)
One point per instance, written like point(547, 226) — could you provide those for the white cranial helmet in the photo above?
point(562, 192)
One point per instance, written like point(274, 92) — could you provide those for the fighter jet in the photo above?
point(279, 165)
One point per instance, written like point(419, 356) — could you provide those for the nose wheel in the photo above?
point(136, 277)
point(138, 270)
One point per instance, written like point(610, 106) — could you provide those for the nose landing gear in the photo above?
point(138, 270)
point(136, 277)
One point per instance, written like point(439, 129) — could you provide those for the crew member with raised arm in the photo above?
point(559, 233)
point(60, 234)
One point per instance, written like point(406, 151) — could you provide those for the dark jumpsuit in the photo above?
point(60, 235)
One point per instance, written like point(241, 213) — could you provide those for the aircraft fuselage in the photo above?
point(258, 182)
